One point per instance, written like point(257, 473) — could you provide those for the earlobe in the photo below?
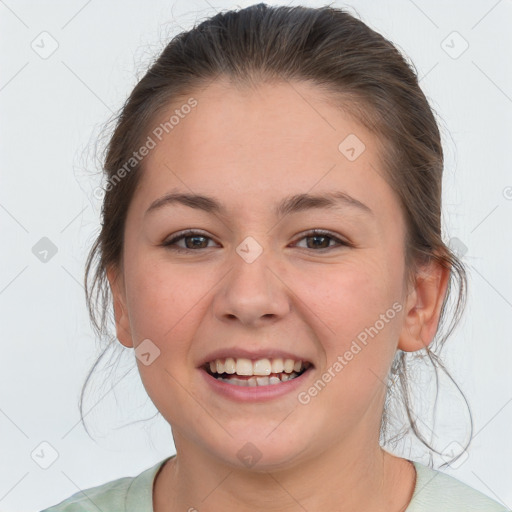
point(123, 331)
point(423, 308)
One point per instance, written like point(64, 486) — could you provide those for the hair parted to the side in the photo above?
point(361, 72)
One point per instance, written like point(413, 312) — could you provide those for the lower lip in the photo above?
point(255, 393)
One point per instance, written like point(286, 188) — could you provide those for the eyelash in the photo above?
point(190, 233)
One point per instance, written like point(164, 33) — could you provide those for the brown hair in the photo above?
point(361, 71)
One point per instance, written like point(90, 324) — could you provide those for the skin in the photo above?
point(249, 149)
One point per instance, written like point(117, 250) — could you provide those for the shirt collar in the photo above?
point(139, 495)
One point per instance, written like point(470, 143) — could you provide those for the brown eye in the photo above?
point(194, 240)
point(316, 239)
point(321, 239)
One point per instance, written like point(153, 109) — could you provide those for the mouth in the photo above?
point(256, 373)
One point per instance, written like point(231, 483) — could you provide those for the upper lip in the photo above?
point(261, 353)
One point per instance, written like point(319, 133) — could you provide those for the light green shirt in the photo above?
point(434, 491)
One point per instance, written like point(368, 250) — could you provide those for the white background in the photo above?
point(51, 111)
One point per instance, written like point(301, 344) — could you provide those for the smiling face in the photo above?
point(255, 279)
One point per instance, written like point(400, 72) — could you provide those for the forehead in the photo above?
point(260, 143)
point(284, 122)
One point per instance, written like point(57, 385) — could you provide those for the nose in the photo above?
point(253, 293)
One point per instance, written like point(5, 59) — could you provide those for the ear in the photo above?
point(123, 330)
point(423, 307)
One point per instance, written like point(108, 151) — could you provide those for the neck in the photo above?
point(349, 477)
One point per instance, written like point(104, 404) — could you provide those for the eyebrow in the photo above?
point(292, 204)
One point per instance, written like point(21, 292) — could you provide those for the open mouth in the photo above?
point(261, 372)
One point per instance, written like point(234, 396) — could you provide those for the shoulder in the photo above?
point(111, 494)
point(120, 495)
point(436, 490)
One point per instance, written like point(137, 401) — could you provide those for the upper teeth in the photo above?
point(243, 366)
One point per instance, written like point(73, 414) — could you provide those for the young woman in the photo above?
point(271, 237)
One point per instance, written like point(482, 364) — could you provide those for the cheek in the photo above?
point(164, 302)
point(166, 305)
point(348, 296)
point(356, 307)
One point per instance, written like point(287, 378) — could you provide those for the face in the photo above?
point(255, 283)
